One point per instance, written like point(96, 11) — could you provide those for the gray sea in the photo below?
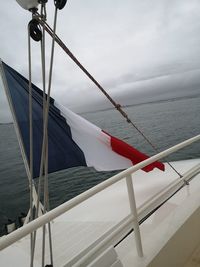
point(165, 123)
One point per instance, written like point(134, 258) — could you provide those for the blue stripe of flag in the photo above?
point(63, 151)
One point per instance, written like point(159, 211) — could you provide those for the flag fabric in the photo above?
point(72, 140)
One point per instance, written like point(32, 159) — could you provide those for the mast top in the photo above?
point(28, 4)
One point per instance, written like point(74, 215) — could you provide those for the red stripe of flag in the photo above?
point(127, 151)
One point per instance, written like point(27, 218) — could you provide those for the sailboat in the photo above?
point(146, 215)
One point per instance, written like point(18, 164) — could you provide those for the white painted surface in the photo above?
point(81, 226)
point(157, 230)
point(106, 259)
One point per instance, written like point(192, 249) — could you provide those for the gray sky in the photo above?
point(126, 45)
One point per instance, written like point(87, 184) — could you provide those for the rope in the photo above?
point(46, 192)
point(46, 155)
point(44, 143)
point(116, 105)
point(46, 200)
point(30, 140)
point(43, 14)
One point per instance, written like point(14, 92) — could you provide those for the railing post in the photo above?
point(133, 208)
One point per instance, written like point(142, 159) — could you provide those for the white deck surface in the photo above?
point(81, 226)
point(162, 225)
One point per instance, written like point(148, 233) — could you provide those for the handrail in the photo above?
point(160, 197)
point(115, 234)
point(46, 218)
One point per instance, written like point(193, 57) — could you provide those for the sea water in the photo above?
point(165, 123)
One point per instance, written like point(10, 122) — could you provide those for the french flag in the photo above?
point(101, 150)
point(72, 140)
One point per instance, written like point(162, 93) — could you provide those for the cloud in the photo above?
point(119, 42)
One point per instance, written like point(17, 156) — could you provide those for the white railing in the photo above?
point(136, 214)
point(115, 234)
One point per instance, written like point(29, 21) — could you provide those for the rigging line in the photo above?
point(45, 122)
point(46, 192)
point(47, 208)
point(116, 105)
point(43, 15)
point(30, 140)
point(155, 148)
point(44, 104)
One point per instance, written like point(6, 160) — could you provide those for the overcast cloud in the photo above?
point(126, 45)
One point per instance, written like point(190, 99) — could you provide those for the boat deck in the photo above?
point(79, 228)
point(194, 260)
point(171, 235)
